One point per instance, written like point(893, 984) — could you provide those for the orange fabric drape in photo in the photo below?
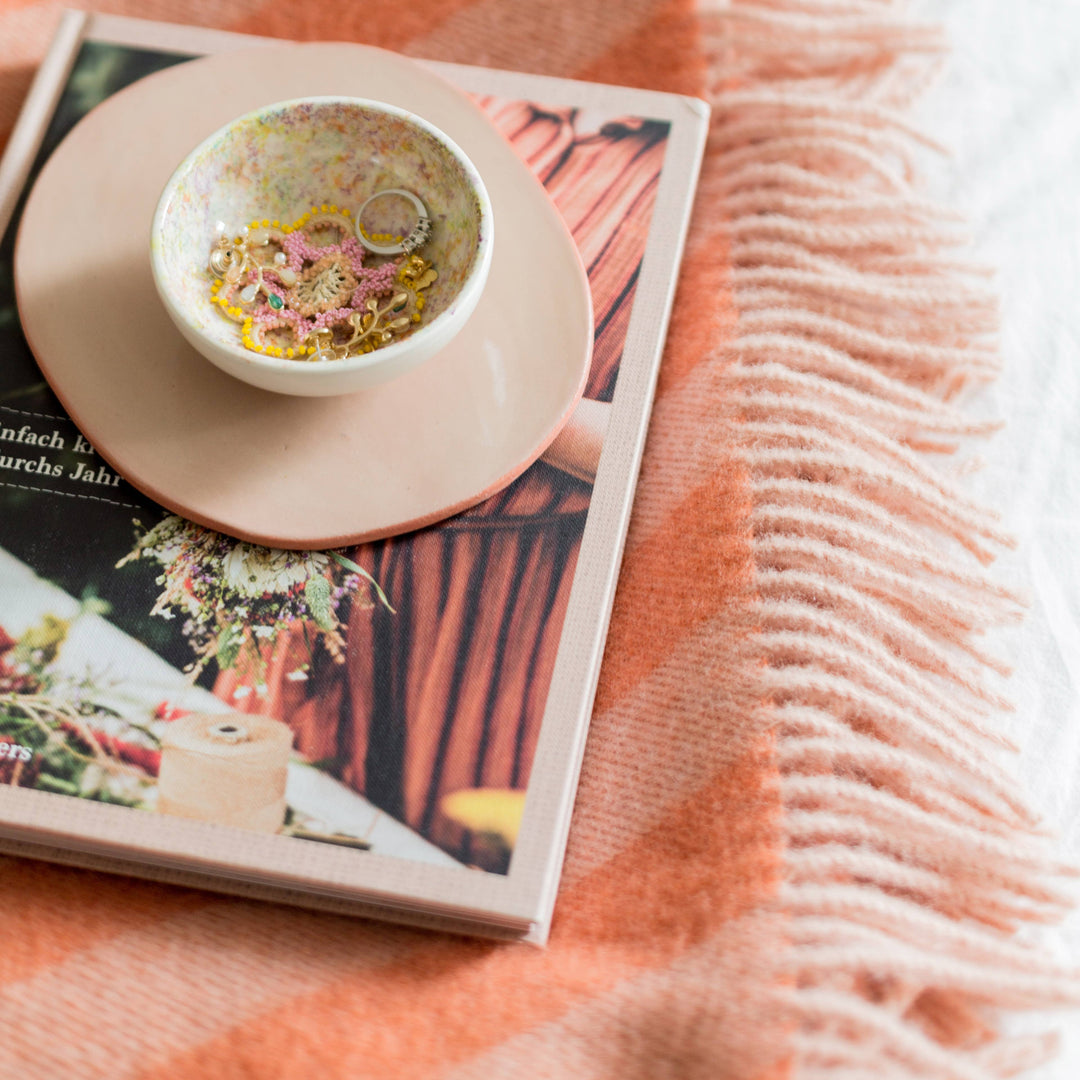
point(448, 692)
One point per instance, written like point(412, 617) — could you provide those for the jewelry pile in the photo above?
point(301, 291)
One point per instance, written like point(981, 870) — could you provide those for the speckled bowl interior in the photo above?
point(280, 161)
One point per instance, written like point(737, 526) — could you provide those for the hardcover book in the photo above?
point(393, 729)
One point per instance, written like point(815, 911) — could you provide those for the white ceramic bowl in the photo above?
point(274, 165)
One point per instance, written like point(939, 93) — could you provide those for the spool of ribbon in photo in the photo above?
point(229, 768)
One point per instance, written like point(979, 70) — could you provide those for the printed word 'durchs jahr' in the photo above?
point(83, 472)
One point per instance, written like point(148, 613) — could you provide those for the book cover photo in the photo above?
point(386, 698)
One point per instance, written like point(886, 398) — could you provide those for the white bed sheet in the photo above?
point(1009, 109)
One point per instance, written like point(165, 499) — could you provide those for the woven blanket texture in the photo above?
point(797, 848)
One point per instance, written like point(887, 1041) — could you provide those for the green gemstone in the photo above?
point(275, 301)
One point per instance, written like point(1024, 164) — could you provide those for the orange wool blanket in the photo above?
point(795, 851)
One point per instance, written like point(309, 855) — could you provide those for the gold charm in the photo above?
point(303, 292)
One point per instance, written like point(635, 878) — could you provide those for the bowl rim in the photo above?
point(363, 361)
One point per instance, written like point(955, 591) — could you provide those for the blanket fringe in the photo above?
point(911, 858)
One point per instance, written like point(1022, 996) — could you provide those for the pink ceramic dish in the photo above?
point(277, 163)
point(298, 472)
